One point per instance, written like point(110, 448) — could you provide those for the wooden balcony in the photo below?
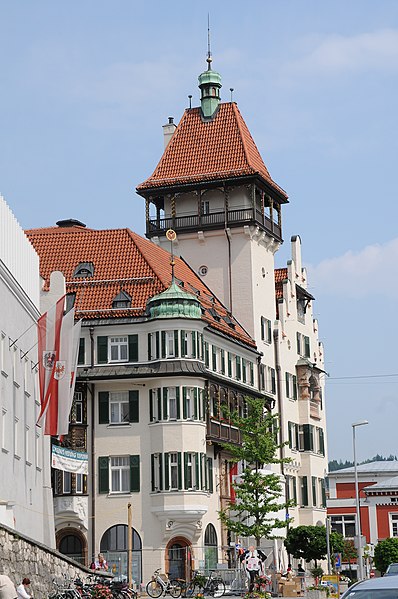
point(214, 220)
point(222, 431)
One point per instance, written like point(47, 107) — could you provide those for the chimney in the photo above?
point(168, 131)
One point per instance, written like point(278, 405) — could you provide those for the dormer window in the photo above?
point(84, 269)
point(122, 300)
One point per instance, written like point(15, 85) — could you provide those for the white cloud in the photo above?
point(369, 272)
point(337, 53)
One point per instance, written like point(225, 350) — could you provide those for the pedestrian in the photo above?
point(23, 589)
point(253, 560)
point(7, 588)
point(100, 563)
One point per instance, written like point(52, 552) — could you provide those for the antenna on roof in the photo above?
point(209, 58)
point(171, 236)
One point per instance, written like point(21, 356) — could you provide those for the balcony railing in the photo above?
point(222, 431)
point(212, 221)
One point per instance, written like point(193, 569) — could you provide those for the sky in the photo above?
point(86, 86)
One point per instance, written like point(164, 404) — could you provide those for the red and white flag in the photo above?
point(58, 350)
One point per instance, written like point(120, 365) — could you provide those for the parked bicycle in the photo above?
point(161, 585)
point(212, 585)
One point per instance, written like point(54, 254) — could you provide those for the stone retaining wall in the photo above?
point(20, 556)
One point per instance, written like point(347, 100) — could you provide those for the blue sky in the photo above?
point(86, 86)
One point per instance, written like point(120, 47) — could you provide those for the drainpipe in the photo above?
point(91, 331)
point(228, 235)
point(92, 425)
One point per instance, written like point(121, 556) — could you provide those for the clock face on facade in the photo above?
point(203, 270)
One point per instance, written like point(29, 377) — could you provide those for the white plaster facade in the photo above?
point(25, 486)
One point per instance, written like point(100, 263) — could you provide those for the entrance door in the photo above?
point(179, 561)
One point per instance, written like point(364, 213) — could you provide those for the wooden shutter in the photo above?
point(184, 403)
point(287, 384)
point(307, 349)
point(204, 403)
point(151, 396)
point(185, 470)
point(183, 345)
point(134, 473)
point(269, 332)
point(160, 472)
point(273, 381)
point(308, 437)
point(103, 408)
point(194, 344)
point(166, 472)
point(210, 466)
point(321, 441)
point(290, 434)
point(323, 488)
point(197, 479)
point(202, 478)
point(165, 401)
point(149, 347)
point(102, 350)
point(157, 345)
point(262, 328)
point(159, 394)
point(152, 472)
point(294, 387)
point(176, 353)
point(304, 491)
point(314, 482)
point(296, 434)
point(251, 374)
point(195, 403)
point(103, 474)
point(163, 343)
point(82, 351)
point(298, 339)
point(179, 471)
point(178, 402)
point(133, 348)
point(294, 489)
point(134, 406)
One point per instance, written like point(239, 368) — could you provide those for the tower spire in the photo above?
point(209, 58)
point(209, 83)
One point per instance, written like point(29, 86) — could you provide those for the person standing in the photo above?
point(23, 590)
point(253, 560)
point(100, 563)
point(7, 588)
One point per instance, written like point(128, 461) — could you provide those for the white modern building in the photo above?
point(25, 485)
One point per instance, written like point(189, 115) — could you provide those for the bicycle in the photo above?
point(212, 585)
point(160, 585)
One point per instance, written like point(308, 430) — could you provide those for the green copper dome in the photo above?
point(174, 303)
point(210, 84)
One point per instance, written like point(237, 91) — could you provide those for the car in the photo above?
point(392, 570)
point(373, 588)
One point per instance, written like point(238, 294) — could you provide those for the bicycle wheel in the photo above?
point(174, 589)
point(154, 589)
point(192, 589)
point(217, 588)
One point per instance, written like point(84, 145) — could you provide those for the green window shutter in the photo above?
point(163, 337)
point(157, 344)
point(195, 403)
point(178, 403)
point(134, 406)
point(229, 365)
point(185, 470)
point(294, 387)
point(179, 471)
point(184, 403)
point(296, 434)
point(183, 345)
point(204, 404)
point(321, 442)
point(290, 434)
point(238, 368)
point(307, 437)
point(166, 472)
point(206, 472)
point(294, 489)
point(150, 406)
point(103, 474)
point(269, 332)
point(103, 411)
point(207, 361)
point(287, 384)
point(213, 358)
point(159, 392)
point(222, 360)
point(307, 349)
point(134, 473)
point(194, 344)
point(102, 350)
point(197, 479)
point(287, 487)
point(323, 487)
point(201, 463)
point(160, 473)
point(298, 340)
point(314, 498)
point(133, 348)
point(244, 370)
point(273, 381)
point(165, 399)
point(251, 374)
point(82, 351)
point(149, 347)
point(152, 472)
point(304, 491)
point(210, 465)
point(176, 353)
point(262, 328)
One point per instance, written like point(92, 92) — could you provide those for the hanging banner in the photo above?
point(69, 460)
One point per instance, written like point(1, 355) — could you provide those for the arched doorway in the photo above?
point(72, 543)
point(210, 548)
point(114, 546)
point(179, 559)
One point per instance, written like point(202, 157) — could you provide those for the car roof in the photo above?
point(385, 582)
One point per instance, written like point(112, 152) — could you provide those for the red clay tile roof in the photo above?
point(280, 276)
point(210, 150)
point(122, 260)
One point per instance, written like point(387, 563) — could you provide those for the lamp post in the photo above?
point(358, 527)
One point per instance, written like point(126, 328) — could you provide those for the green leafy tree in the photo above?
point(386, 553)
point(257, 494)
point(309, 543)
point(349, 552)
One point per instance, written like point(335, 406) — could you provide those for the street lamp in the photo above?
point(358, 527)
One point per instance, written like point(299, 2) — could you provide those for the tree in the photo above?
point(253, 513)
point(309, 542)
point(349, 552)
point(386, 553)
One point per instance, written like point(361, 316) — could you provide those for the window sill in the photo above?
point(17, 457)
point(4, 450)
point(118, 425)
point(3, 372)
point(119, 494)
point(28, 463)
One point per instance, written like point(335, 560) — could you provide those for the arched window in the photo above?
point(72, 546)
point(114, 545)
point(210, 548)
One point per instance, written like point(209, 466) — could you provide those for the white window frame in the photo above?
point(189, 405)
point(119, 465)
point(344, 519)
point(205, 207)
point(190, 471)
point(79, 483)
point(172, 403)
point(79, 413)
point(118, 345)
point(393, 520)
point(170, 348)
point(118, 400)
point(173, 470)
point(266, 330)
point(154, 399)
